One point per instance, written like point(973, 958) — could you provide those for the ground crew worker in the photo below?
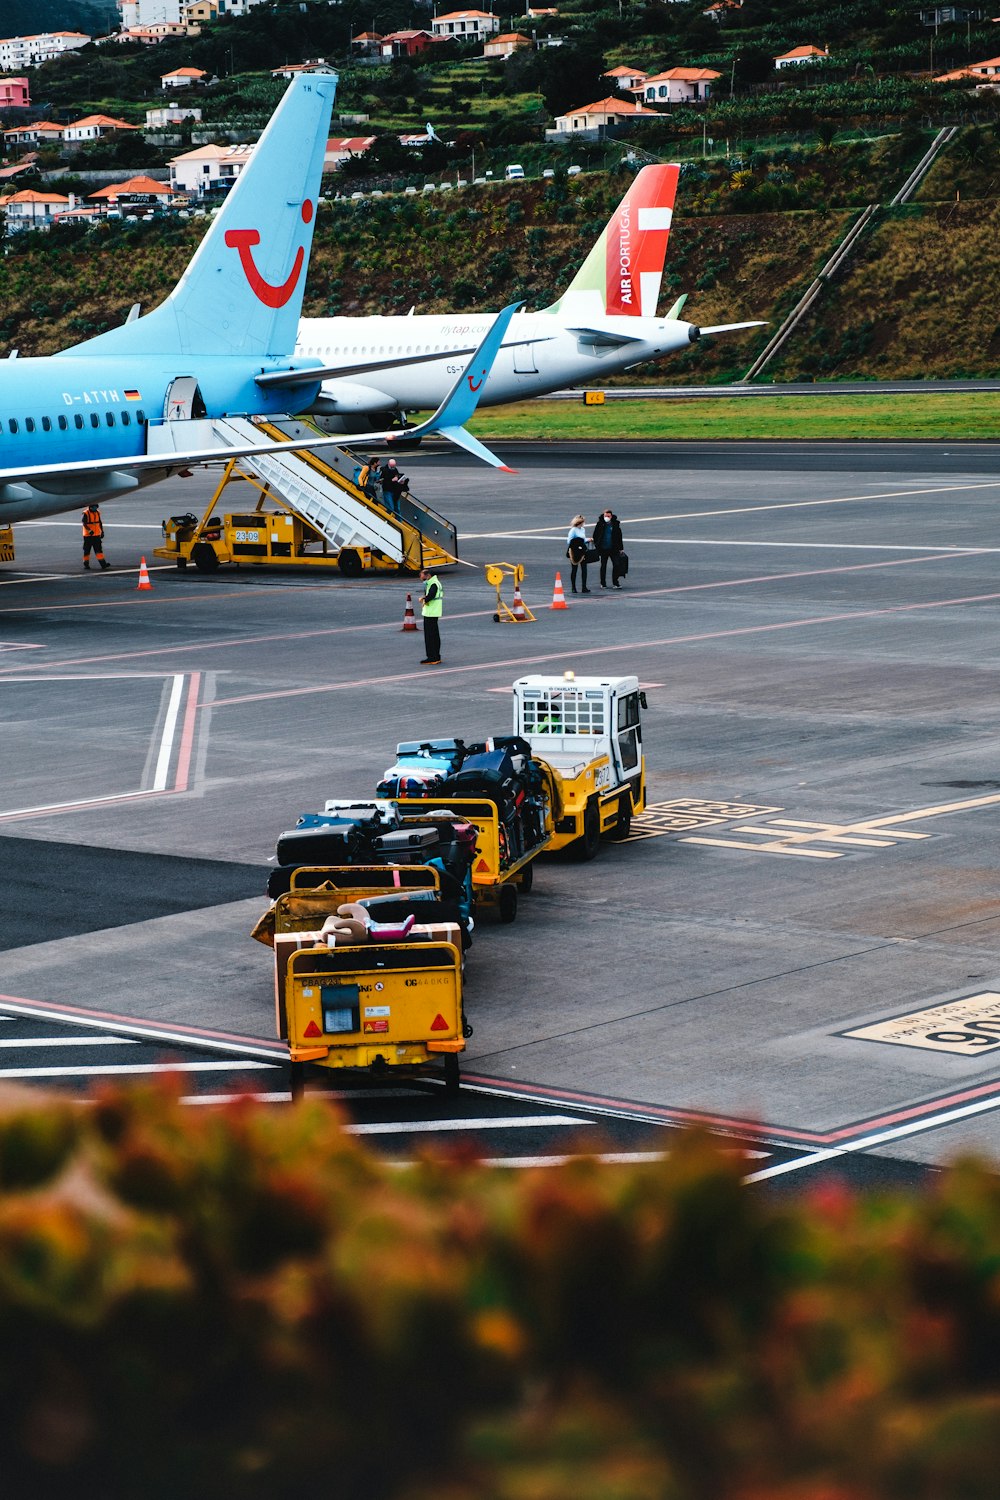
point(431, 608)
point(93, 535)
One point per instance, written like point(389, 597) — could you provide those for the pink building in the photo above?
point(14, 93)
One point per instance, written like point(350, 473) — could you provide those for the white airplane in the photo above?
point(604, 323)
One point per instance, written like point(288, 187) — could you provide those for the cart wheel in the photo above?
point(527, 879)
point(349, 563)
point(623, 826)
point(452, 1076)
point(182, 562)
point(205, 557)
point(496, 619)
point(508, 903)
point(587, 845)
point(466, 1029)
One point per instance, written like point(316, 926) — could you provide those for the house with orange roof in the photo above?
point(680, 86)
point(292, 70)
point(39, 132)
point(29, 209)
point(506, 44)
point(466, 25)
point(598, 117)
point(183, 78)
point(366, 43)
point(94, 128)
point(627, 78)
point(801, 55)
point(208, 169)
point(17, 52)
point(985, 74)
point(408, 43)
point(137, 192)
point(341, 148)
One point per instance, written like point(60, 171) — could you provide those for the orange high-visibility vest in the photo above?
point(92, 524)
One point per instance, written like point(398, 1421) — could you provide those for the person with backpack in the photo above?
point(607, 539)
point(577, 546)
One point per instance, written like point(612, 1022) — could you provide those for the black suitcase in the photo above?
point(619, 566)
point(323, 846)
point(407, 840)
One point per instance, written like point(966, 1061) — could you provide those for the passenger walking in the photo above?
point(431, 608)
point(394, 485)
point(93, 535)
point(577, 544)
point(609, 544)
point(373, 486)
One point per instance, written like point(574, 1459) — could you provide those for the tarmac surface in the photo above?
point(817, 628)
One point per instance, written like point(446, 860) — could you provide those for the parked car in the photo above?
point(514, 172)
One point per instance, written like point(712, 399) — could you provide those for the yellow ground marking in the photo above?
point(798, 837)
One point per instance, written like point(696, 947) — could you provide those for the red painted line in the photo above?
point(187, 734)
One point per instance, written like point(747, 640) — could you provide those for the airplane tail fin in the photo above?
point(242, 290)
point(621, 275)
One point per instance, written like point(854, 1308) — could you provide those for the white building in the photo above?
point(679, 86)
point(466, 25)
point(170, 114)
point(28, 209)
point(94, 128)
point(183, 78)
point(800, 55)
point(208, 169)
point(18, 52)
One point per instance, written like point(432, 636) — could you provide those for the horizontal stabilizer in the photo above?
point(730, 327)
point(604, 338)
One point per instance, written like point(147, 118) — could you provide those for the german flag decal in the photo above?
point(133, 395)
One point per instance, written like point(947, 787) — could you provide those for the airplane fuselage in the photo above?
point(542, 352)
point(76, 409)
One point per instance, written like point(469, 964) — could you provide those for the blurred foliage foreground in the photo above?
point(242, 1302)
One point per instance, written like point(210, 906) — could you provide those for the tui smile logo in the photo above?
point(243, 242)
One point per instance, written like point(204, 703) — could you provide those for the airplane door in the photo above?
point(524, 359)
point(183, 400)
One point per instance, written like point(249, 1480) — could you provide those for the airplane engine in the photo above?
point(340, 398)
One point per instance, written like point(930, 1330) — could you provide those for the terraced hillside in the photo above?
point(919, 298)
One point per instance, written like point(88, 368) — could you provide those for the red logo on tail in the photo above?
point(244, 240)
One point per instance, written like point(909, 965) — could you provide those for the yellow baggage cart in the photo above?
point(318, 890)
point(498, 871)
point(374, 1007)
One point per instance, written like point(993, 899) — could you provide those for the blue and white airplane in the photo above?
point(110, 415)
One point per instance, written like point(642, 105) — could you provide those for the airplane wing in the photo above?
point(272, 378)
point(70, 479)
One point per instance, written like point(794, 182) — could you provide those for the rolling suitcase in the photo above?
point(340, 845)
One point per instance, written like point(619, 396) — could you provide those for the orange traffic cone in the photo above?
point(409, 618)
point(518, 607)
point(144, 582)
point(558, 597)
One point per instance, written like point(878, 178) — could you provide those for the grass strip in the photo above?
point(907, 417)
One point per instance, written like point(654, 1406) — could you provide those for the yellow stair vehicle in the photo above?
point(305, 509)
point(588, 730)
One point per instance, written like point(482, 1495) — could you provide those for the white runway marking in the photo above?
point(124, 1068)
point(66, 1041)
point(169, 729)
point(489, 1122)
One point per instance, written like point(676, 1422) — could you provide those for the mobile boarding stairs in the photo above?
point(322, 517)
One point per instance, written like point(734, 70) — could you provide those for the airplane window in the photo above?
point(29, 424)
point(109, 417)
point(95, 420)
point(77, 419)
point(46, 424)
point(140, 417)
point(12, 424)
point(63, 424)
point(126, 419)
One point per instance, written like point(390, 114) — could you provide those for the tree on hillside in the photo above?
point(566, 76)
